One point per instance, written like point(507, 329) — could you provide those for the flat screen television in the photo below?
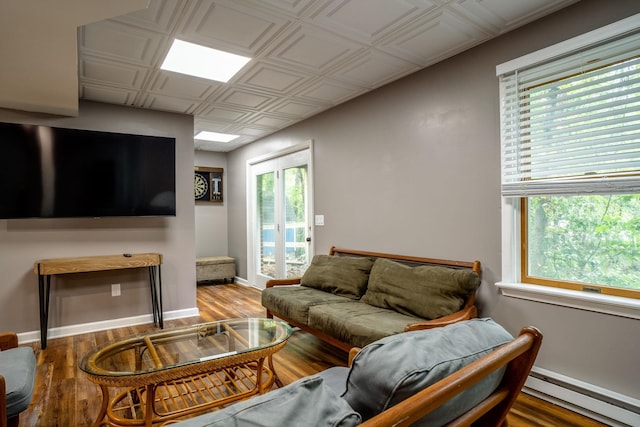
point(49, 172)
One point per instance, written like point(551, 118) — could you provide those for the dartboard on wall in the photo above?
point(207, 184)
point(200, 186)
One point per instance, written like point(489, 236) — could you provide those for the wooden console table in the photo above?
point(45, 268)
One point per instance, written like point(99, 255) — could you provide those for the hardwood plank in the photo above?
point(63, 395)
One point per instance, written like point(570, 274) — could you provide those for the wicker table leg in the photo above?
point(103, 407)
point(277, 379)
point(151, 399)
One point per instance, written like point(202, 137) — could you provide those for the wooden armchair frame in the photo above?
point(468, 311)
point(517, 356)
point(7, 340)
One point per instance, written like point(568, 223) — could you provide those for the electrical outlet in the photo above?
point(115, 290)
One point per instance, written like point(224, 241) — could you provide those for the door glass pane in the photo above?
point(266, 232)
point(296, 228)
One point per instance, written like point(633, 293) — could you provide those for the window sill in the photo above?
point(607, 304)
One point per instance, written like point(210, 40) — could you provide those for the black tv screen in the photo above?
point(48, 172)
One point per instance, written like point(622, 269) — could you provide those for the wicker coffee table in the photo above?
point(175, 373)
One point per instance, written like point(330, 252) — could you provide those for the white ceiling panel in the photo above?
point(160, 16)
point(245, 98)
point(313, 49)
point(434, 37)
point(379, 18)
point(375, 69)
point(332, 92)
point(231, 25)
point(291, 8)
point(109, 95)
point(181, 86)
point(114, 40)
point(122, 75)
point(273, 78)
point(296, 108)
point(251, 130)
point(167, 103)
point(273, 122)
point(226, 114)
point(307, 55)
point(507, 15)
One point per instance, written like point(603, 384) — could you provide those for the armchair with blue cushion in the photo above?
point(464, 373)
point(17, 376)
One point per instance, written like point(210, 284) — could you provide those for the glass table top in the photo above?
point(172, 348)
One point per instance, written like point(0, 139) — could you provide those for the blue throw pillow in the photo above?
point(394, 368)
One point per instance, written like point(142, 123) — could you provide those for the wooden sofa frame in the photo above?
point(468, 310)
point(517, 356)
point(7, 340)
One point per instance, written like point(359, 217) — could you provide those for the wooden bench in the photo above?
point(209, 269)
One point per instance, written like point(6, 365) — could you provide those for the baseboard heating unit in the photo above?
point(595, 402)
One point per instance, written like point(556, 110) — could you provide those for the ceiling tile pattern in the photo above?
point(307, 55)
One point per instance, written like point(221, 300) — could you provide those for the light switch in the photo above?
point(319, 219)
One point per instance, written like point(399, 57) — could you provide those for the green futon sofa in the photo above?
point(351, 298)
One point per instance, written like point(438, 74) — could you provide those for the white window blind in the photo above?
point(570, 124)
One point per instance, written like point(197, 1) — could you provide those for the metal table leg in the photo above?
point(44, 288)
point(156, 294)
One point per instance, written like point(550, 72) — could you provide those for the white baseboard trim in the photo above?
point(241, 281)
point(84, 328)
point(606, 406)
point(244, 282)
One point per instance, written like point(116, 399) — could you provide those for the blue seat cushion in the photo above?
point(306, 402)
point(394, 368)
point(335, 378)
point(18, 367)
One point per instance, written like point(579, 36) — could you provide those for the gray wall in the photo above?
point(86, 297)
point(211, 218)
point(414, 168)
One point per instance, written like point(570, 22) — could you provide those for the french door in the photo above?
point(280, 217)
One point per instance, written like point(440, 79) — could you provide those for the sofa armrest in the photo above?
point(283, 282)
point(464, 314)
point(280, 282)
point(352, 354)
point(8, 340)
point(516, 357)
point(3, 402)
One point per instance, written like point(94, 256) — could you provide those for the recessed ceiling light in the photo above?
point(201, 61)
point(215, 136)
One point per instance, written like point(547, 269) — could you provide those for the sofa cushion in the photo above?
point(426, 291)
point(18, 367)
point(340, 275)
point(294, 302)
point(356, 323)
point(306, 402)
point(335, 378)
point(394, 368)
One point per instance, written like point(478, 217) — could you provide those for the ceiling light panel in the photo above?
point(215, 136)
point(200, 61)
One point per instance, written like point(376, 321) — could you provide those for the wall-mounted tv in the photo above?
point(49, 172)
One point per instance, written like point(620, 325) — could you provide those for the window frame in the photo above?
point(512, 286)
point(514, 281)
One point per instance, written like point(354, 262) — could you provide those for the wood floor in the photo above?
point(64, 397)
